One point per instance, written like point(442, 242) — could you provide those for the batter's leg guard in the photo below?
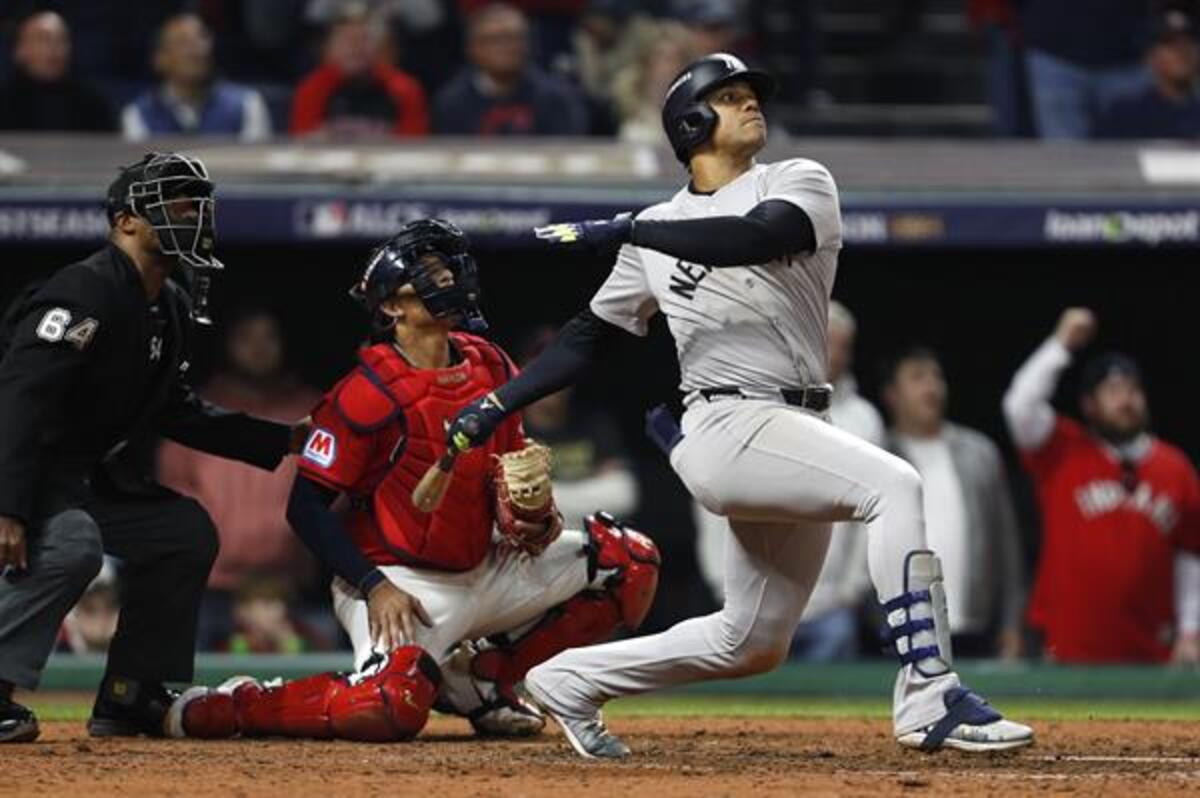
point(622, 579)
point(918, 625)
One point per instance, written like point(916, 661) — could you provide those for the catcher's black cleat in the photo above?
point(17, 723)
point(126, 708)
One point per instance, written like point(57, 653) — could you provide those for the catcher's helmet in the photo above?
point(173, 193)
point(399, 261)
point(688, 120)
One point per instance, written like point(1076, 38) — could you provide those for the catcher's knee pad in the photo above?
point(587, 618)
point(622, 577)
point(626, 562)
point(387, 700)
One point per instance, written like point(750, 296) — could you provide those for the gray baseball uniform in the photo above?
point(781, 474)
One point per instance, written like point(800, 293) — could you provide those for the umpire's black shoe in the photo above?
point(127, 708)
point(17, 723)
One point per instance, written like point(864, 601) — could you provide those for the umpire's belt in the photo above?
point(816, 398)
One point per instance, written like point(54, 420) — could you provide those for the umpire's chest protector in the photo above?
point(457, 535)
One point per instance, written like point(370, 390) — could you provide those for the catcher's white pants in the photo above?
point(502, 594)
point(782, 476)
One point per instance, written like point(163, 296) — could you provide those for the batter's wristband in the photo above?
point(368, 582)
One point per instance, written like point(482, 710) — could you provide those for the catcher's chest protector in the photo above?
point(457, 535)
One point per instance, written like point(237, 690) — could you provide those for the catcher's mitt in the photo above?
point(525, 511)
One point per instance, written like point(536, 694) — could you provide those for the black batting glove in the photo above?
point(475, 423)
point(600, 235)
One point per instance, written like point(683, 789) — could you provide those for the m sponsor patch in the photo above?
point(321, 448)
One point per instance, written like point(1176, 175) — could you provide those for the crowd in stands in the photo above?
point(344, 69)
point(1107, 69)
point(350, 68)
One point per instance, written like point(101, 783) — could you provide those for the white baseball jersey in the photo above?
point(761, 326)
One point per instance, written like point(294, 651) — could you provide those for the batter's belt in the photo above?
point(816, 398)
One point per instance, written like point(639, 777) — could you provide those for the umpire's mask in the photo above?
point(174, 195)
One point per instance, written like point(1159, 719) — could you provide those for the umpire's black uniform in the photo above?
point(92, 373)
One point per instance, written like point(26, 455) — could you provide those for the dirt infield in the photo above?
point(673, 757)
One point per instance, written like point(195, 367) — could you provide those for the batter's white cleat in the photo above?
point(970, 724)
point(584, 730)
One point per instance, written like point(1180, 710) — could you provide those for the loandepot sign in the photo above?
point(1119, 227)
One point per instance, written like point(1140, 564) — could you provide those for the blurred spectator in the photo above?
point(261, 622)
point(610, 39)
point(554, 22)
point(191, 99)
point(638, 90)
point(90, 625)
point(42, 93)
point(501, 93)
point(355, 91)
point(712, 24)
point(590, 472)
point(1170, 107)
point(970, 520)
point(829, 627)
point(247, 505)
point(1007, 87)
point(1080, 57)
point(425, 35)
point(1118, 577)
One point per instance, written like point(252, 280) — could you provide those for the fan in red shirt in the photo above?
point(355, 92)
point(1119, 575)
point(452, 606)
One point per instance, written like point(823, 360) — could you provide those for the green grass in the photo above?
point(805, 707)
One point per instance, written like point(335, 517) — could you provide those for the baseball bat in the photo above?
point(432, 488)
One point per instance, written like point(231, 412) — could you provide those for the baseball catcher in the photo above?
point(447, 608)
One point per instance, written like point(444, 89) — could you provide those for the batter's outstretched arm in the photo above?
point(772, 229)
point(579, 345)
point(311, 515)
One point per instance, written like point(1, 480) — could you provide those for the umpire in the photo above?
point(92, 374)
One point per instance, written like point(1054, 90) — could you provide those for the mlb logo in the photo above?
point(321, 448)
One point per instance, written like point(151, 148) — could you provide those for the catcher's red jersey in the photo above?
point(380, 429)
point(1105, 583)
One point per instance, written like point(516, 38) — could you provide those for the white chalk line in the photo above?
point(1008, 775)
point(1187, 760)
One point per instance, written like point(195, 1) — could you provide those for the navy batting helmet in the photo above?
point(688, 120)
point(401, 260)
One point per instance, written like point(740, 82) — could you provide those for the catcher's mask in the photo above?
point(404, 260)
point(174, 195)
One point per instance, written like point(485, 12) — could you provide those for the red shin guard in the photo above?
point(385, 702)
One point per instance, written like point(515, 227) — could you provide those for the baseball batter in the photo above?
point(742, 262)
